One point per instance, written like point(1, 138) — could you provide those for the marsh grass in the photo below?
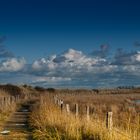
point(50, 123)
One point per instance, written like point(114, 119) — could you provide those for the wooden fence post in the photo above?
point(109, 122)
point(5, 101)
point(87, 112)
point(68, 109)
point(76, 110)
point(61, 105)
point(8, 100)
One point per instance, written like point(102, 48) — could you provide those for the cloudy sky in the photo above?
point(73, 43)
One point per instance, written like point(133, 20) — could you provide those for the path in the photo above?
point(18, 124)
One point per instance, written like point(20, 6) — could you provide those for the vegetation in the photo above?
point(8, 104)
point(5, 109)
point(50, 123)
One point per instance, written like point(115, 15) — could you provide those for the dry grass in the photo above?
point(101, 103)
point(8, 107)
point(50, 123)
point(5, 109)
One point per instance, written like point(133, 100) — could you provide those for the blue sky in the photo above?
point(91, 31)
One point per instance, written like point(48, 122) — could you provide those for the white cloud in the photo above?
point(51, 79)
point(71, 63)
point(72, 55)
point(12, 65)
point(74, 68)
point(131, 69)
point(137, 56)
point(127, 58)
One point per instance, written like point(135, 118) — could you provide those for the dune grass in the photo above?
point(50, 123)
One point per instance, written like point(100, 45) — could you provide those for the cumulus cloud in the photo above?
point(126, 58)
point(71, 62)
point(73, 68)
point(137, 57)
point(12, 65)
point(77, 68)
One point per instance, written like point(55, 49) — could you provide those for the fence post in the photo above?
point(109, 122)
point(68, 109)
point(8, 100)
point(76, 110)
point(2, 101)
point(61, 105)
point(87, 112)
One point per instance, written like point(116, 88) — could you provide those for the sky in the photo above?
point(70, 44)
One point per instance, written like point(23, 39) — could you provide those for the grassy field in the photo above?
point(50, 123)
